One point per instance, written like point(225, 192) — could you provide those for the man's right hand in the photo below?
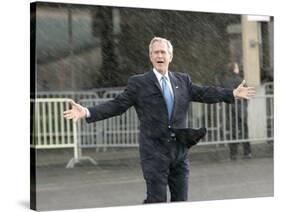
point(76, 112)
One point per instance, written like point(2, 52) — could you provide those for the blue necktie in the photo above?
point(167, 95)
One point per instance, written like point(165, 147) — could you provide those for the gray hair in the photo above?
point(163, 40)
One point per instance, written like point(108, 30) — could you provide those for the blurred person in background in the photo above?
point(239, 127)
point(161, 99)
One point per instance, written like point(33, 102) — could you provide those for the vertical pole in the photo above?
point(251, 63)
point(70, 39)
point(75, 140)
point(250, 45)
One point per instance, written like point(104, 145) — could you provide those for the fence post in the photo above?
point(257, 108)
point(77, 150)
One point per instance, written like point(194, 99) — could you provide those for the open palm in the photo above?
point(76, 112)
point(244, 92)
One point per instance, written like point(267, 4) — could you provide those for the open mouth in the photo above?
point(159, 62)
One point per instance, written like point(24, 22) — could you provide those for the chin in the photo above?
point(161, 70)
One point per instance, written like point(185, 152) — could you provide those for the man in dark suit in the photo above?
point(161, 99)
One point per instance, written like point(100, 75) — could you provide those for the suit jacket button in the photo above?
point(169, 126)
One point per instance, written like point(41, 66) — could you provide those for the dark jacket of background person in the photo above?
point(237, 126)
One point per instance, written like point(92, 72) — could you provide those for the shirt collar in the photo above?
point(159, 76)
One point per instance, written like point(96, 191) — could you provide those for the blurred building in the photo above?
point(81, 47)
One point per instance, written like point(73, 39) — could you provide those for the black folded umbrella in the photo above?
point(188, 136)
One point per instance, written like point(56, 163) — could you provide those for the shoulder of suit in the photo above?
point(140, 76)
point(180, 75)
point(135, 76)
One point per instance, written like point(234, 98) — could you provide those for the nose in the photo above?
point(159, 54)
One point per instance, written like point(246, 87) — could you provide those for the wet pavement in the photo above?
point(120, 182)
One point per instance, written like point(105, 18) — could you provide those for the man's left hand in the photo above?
point(244, 92)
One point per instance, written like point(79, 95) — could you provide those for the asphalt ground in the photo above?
point(117, 179)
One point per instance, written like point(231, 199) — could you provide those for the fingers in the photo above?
point(67, 112)
point(252, 92)
point(76, 106)
point(246, 93)
point(74, 113)
point(243, 83)
point(72, 102)
point(72, 116)
point(251, 89)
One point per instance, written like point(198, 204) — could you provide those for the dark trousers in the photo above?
point(167, 167)
point(237, 132)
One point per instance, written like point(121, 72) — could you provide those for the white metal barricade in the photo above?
point(119, 131)
point(228, 123)
point(51, 130)
point(225, 124)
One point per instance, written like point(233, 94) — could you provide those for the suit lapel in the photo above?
point(151, 76)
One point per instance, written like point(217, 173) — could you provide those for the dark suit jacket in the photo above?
point(144, 93)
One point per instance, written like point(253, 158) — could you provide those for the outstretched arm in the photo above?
point(105, 110)
point(76, 112)
point(244, 92)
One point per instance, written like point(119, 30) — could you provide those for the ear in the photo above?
point(171, 58)
point(150, 57)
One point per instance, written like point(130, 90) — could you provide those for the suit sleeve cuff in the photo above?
point(230, 96)
point(88, 115)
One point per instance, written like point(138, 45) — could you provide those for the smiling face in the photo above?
point(160, 57)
